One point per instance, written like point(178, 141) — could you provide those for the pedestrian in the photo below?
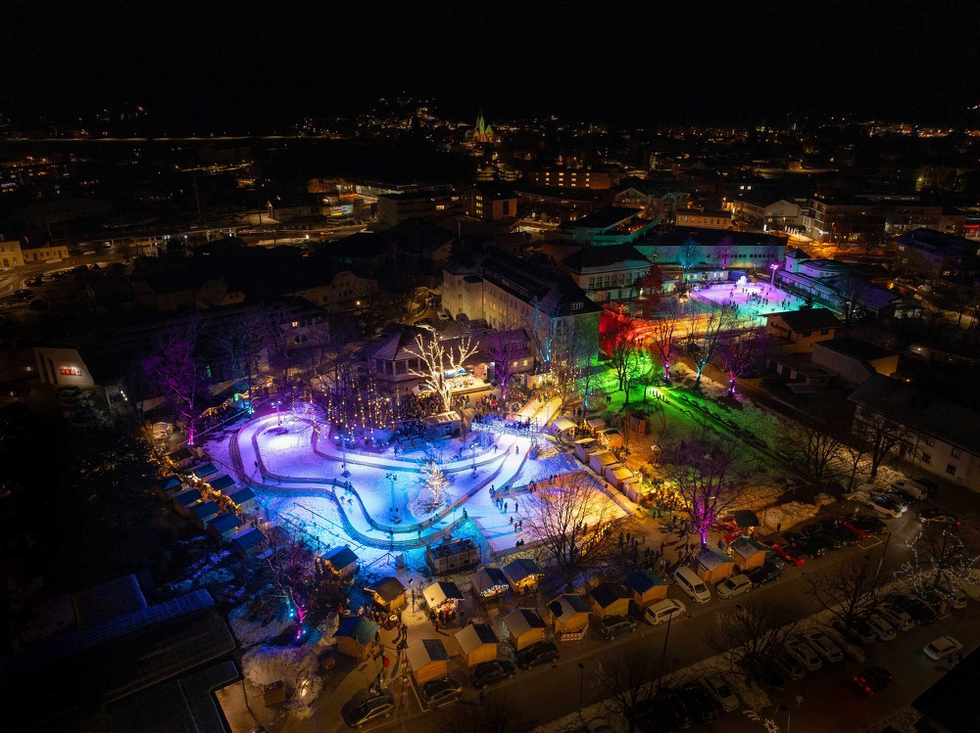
point(779, 527)
point(386, 661)
point(483, 696)
point(436, 625)
point(515, 505)
point(663, 546)
point(512, 519)
point(505, 507)
point(800, 699)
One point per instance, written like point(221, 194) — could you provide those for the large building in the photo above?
point(571, 178)
point(10, 253)
point(394, 208)
point(936, 254)
point(607, 273)
point(490, 202)
point(703, 219)
point(845, 220)
point(658, 200)
point(711, 248)
point(609, 225)
point(45, 253)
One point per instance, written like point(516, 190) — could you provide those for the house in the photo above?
point(715, 249)
point(428, 660)
point(107, 602)
point(798, 331)
point(221, 483)
point(395, 208)
point(477, 643)
point(355, 637)
point(568, 613)
point(936, 255)
point(747, 553)
point(854, 360)
point(563, 427)
point(607, 273)
point(523, 575)
point(648, 587)
point(203, 512)
point(490, 202)
point(623, 478)
point(184, 499)
point(609, 599)
point(241, 497)
point(489, 583)
point(250, 541)
point(167, 487)
point(717, 219)
point(389, 593)
point(224, 526)
point(714, 565)
point(340, 560)
point(524, 627)
point(585, 447)
point(943, 437)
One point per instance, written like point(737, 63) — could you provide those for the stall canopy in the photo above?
point(489, 581)
point(563, 425)
point(389, 592)
point(596, 423)
point(428, 659)
point(478, 643)
point(440, 592)
point(221, 482)
point(208, 469)
point(522, 570)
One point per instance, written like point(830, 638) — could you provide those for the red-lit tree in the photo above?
point(663, 332)
point(623, 345)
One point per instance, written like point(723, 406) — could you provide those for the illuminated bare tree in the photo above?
point(740, 351)
point(569, 517)
point(847, 589)
point(940, 557)
point(705, 337)
point(624, 348)
point(751, 631)
point(663, 330)
point(435, 359)
point(725, 251)
point(176, 369)
point(502, 348)
point(708, 474)
point(566, 365)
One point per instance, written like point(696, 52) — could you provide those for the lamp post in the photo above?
point(343, 445)
point(772, 278)
point(581, 686)
point(663, 654)
point(393, 516)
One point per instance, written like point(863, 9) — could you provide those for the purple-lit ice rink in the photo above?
point(754, 300)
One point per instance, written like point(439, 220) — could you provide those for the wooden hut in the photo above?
point(713, 565)
point(609, 599)
point(647, 586)
point(611, 438)
point(203, 513)
point(221, 483)
point(428, 660)
point(595, 424)
point(524, 627)
point(224, 526)
point(242, 497)
point(339, 560)
point(523, 575)
point(249, 541)
point(585, 447)
point(489, 583)
point(619, 474)
point(181, 458)
point(562, 427)
point(355, 637)
point(202, 472)
point(167, 487)
point(389, 593)
point(185, 499)
point(477, 643)
point(747, 553)
point(600, 459)
point(443, 595)
point(568, 613)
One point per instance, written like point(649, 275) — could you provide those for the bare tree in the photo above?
point(623, 346)
point(663, 332)
point(705, 337)
point(688, 254)
point(435, 359)
point(851, 457)
point(626, 681)
point(503, 349)
point(569, 518)
point(725, 251)
point(741, 350)
point(851, 293)
point(497, 715)
point(292, 565)
point(814, 450)
point(243, 342)
point(848, 589)
point(940, 557)
point(649, 289)
point(881, 434)
point(566, 365)
point(751, 631)
point(175, 368)
point(708, 474)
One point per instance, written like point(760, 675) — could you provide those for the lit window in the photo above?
point(955, 453)
point(442, 207)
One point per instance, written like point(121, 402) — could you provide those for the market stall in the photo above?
point(489, 583)
point(356, 637)
point(524, 627)
point(568, 613)
point(523, 575)
point(714, 565)
point(477, 643)
point(648, 587)
point(428, 660)
point(609, 599)
point(442, 596)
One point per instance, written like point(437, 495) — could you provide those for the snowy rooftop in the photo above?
point(388, 589)
point(520, 569)
point(566, 606)
point(441, 591)
point(425, 651)
point(711, 558)
point(359, 628)
point(643, 580)
point(606, 594)
point(523, 620)
point(474, 636)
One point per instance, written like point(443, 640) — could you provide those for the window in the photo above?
point(926, 458)
point(440, 207)
point(577, 306)
point(388, 368)
point(401, 367)
point(955, 453)
point(591, 283)
point(929, 440)
point(951, 469)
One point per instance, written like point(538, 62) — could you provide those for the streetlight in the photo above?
point(343, 444)
point(663, 654)
point(581, 686)
point(774, 267)
point(393, 516)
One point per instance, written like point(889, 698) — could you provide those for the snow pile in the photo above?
point(860, 496)
point(789, 514)
point(748, 692)
point(823, 500)
point(251, 631)
point(758, 497)
point(266, 663)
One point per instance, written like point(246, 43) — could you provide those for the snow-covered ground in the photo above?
point(752, 299)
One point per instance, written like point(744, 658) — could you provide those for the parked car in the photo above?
point(808, 546)
point(439, 692)
point(824, 646)
point(665, 610)
point(883, 628)
point(789, 554)
point(936, 599)
point(833, 529)
point(718, 688)
point(938, 516)
point(854, 526)
point(462, 318)
point(915, 607)
point(872, 680)
point(895, 616)
point(733, 586)
point(944, 646)
point(698, 703)
point(957, 596)
point(763, 575)
point(788, 666)
point(773, 558)
point(366, 706)
point(444, 317)
point(670, 711)
point(913, 487)
point(544, 652)
point(928, 484)
point(883, 505)
point(612, 626)
point(859, 631)
point(804, 654)
point(819, 532)
point(872, 524)
point(899, 497)
point(492, 672)
point(689, 582)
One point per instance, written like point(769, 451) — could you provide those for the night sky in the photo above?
point(241, 65)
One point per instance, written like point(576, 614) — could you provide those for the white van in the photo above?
point(689, 582)
point(911, 486)
point(664, 610)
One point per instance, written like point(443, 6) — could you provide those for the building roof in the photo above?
point(487, 578)
point(568, 605)
point(249, 538)
point(854, 348)
point(746, 547)
point(388, 589)
point(239, 494)
point(711, 212)
point(711, 558)
point(208, 469)
point(441, 591)
point(708, 237)
point(472, 636)
point(108, 601)
point(359, 628)
point(340, 557)
point(807, 319)
point(643, 580)
point(605, 218)
point(495, 191)
point(938, 242)
point(170, 482)
point(395, 339)
point(205, 509)
point(226, 522)
point(426, 651)
point(624, 255)
point(416, 195)
point(222, 482)
point(521, 568)
point(187, 497)
point(934, 415)
point(944, 702)
point(523, 620)
point(606, 594)
point(181, 454)
point(797, 254)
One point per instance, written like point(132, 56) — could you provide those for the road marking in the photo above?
point(869, 543)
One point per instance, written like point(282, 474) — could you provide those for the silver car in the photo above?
point(824, 646)
point(718, 688)
point(804, 654)
point(882, 627)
